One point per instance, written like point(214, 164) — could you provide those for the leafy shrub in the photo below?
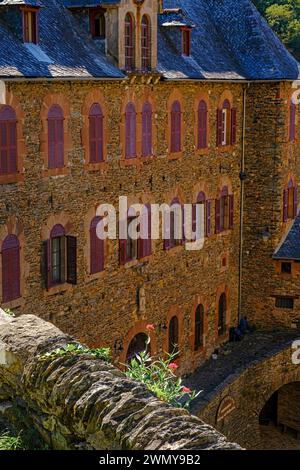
point(8, 442)
point(77, 349)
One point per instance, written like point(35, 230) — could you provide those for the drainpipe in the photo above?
point(242, 178)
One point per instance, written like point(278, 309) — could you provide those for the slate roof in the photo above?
point(230, 41)
point(290, 248)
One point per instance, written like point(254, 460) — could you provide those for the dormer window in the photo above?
point(97, 23)
point(186, 41)
point(30, 26)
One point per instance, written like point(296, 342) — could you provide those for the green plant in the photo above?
point(77, 349)
point(8, 442)
point(9, 312)
point(160, 378)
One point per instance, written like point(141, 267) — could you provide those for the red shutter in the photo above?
point(202, 125)
point(295, 202)
point(285, 204)
point(122, 251)
point(147, 130)
point(92, 132)
point(176, 127)
point(218, 215)
point(51, 144)
point(233, 126)
point(130, 126)
point(208, 218)
point(60, 143)
point(10, 269)
point(71, 260)
point(96, 133)
point(219, 127)
point(96, 248)
point(231, 211)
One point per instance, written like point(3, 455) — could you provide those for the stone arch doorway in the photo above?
point(137, 345)
point(279, 418)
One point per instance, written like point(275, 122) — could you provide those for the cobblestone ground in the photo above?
point(273, 439)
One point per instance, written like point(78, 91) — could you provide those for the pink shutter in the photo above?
point(130, 125)
point(295, 202)
point(208, 218)
point(96, 248)
point(233, 125)
point(176, 127)
point(231, 211)
point(147, 130)
point(285, 204)
point(219, 127)
point(51, 144)
point(92, 132)
point(202, 125)
point(218, 215)
point(60, 143)
point(10, 269)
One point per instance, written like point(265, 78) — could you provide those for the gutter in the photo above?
point(242, 178)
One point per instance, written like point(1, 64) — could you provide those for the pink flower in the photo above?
point(173, 366)
point(150, 327)
point(186, 390)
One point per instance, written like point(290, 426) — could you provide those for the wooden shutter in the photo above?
point(46, 264)
point(122, 251)
point(295, 201)
point(218, 215)
point(59, 143)
point(292, 122)
point(147, 130)
point(51, 144)
point(202, 125)
point(96, 248)
point(92, 135)
point(231, 211)
point(219, 127)
point(285, 204)
point(10, 269)
point(130, 131)
point(71, 260)
point(208, 219)
point(233, 125)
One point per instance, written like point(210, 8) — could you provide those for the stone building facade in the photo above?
point(58, 76)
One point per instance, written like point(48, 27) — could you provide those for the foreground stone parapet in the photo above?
point(81, 402)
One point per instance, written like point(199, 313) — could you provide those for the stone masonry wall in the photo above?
point(105, 311)
point(80, 402)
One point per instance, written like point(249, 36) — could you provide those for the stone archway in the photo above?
point(137, 345)
point(279, 419)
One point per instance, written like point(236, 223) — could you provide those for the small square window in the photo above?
point(286, 268)
point(284, 302)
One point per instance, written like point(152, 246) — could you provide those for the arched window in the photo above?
point(130, 131)
point(226, 125)
point(146, 43)
point(290, 201)
point(199, 327)
point(202, 125)
point(10, 269)
point(96, 248)
point(292, 126)
point(222, 309)
point(137, 345)
point(129, 42)
point(173, 336)
point(174, 225)
point(96, 133)
point(224, 211)
point(147, 130)
point(176, 127)
point(55, 137)
point(8, 141)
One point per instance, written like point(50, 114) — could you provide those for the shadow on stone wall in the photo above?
point(81, 402)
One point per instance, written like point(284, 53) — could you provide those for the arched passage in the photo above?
point(137, 345)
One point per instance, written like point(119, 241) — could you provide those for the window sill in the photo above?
point(202, 151)
point(55, 172)
point(95, 277)
point(10, 179)
point(99, 166)
point(225, 148)
point(14, 304)
point(59, 289)
point(175, 155)
point(130, 162)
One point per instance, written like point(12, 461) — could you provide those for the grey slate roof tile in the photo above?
point(290, 248)
point(230, 41)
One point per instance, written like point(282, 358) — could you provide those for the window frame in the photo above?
point(146, 43)
point(129, 42)
point(10, 123)
point(32, 36)
point(94, 13)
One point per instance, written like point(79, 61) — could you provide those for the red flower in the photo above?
point(150, 327)
point(186, 390)
point(173, 366)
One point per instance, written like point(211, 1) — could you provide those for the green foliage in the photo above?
point(159, 377)
point(9, 312)
point(284, 17)
point(8, 442)
point(76, 349)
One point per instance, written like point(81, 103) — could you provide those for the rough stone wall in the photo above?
point(271, 160)
point(104, 311)
point(80, 402)
point(289, 406)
